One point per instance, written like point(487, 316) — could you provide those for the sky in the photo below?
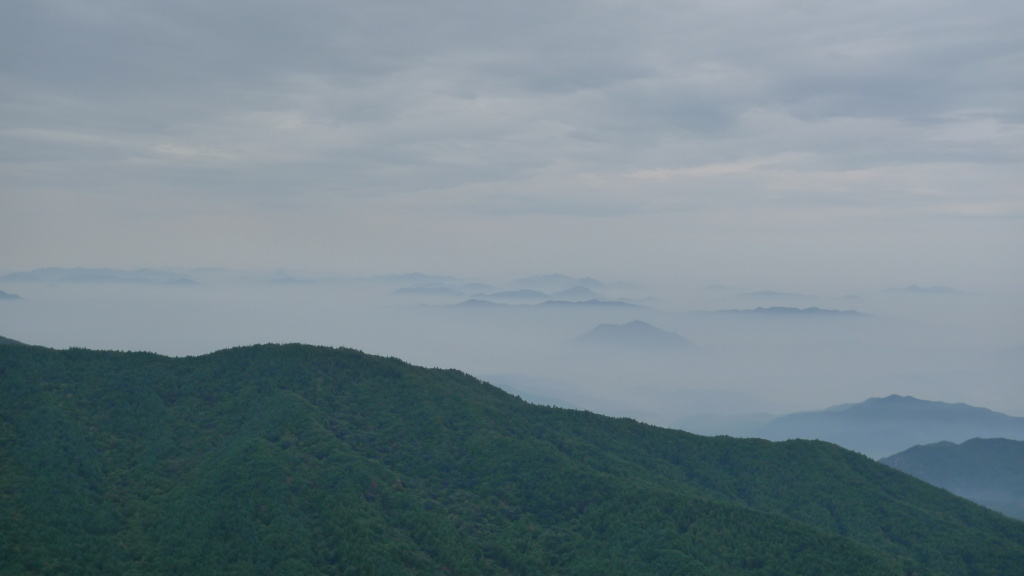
point(813, 147)
point(867, 143)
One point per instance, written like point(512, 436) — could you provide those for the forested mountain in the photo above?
point(989, 471)
point(9, 342)
point(880, 427)
point(292, 459)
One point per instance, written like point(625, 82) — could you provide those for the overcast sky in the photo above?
point(776, 144)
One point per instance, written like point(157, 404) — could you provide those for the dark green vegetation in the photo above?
point(291, 459)
point(988, 471)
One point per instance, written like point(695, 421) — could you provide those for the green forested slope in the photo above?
point(308, 460)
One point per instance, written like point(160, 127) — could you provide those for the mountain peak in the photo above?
point(636, 334)
point(886, 425)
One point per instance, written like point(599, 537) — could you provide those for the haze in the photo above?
point(692, 157)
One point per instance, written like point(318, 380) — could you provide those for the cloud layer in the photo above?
point(270, 132)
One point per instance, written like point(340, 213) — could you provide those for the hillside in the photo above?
point(291, 459)
point(988, 471)
point(880, 427)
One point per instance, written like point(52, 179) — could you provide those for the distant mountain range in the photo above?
point(772, 295)
point(578, 293)
point(480, 303)
point(429, 290)
point(523, 294)
point(8, 296)
point(788, 311)
point(413, 278)
point(594, 302)
point(881, 427)
point(635, 334)
point(989, 471)
point(555, 282)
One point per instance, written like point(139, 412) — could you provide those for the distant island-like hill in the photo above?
point(299, 460)
point(635, 334)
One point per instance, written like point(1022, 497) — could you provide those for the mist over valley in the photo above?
point(777, 357)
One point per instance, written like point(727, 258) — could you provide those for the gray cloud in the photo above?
point(875, 115)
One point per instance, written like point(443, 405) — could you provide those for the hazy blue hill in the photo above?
point(429, 290)
point(635, 334)
point(789, 311)
point(478, 303)
point(555, 282)
point(576, 293)
point(413, 278)
point(881, 427)
point(590, 303)
point(290, 459)
point(772, 295)
point(8, 296)
point(989, 471)
point(10, 342)
point(481, 303)
point(523, 294)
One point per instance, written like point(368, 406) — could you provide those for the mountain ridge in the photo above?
point(883, 426)
point(989, 471)
point(295, 459)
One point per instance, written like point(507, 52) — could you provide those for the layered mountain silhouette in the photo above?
point(291, 459)
point(773, 295)
point(989, 471)
point(635, 334)
point(429, 290)
point(523, 294)
point(478, 302)
point(576, 293)
point(790, 311)
point(881, 427)
point(555, 282)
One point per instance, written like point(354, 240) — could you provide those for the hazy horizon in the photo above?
point(934, 343)
point(691, 157)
